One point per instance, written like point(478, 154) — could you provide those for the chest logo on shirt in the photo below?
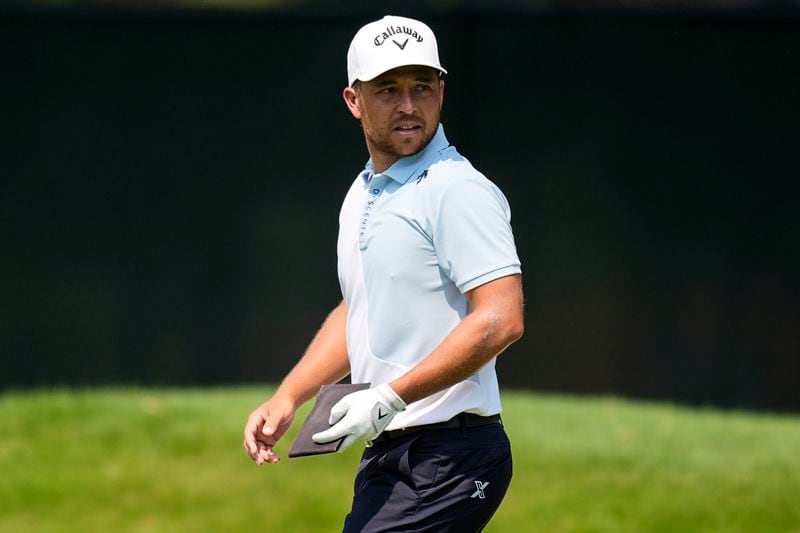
point(365, 214)
point(422, 176)
point(373, 196)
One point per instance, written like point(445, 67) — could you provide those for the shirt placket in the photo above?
point(376, 186)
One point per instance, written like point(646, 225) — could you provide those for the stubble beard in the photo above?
point(398, 149)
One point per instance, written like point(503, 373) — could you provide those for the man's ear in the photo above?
point(353, 101)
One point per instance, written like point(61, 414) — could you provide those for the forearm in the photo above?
point(473, 343)
point(494, 322)
point(324, 361)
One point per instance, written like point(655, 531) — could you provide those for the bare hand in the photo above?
point(265, 426)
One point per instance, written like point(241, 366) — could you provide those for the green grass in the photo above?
point(171, 460)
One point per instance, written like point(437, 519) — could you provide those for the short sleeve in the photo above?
point(472, 233)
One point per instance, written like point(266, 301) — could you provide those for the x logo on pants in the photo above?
point(479, 493)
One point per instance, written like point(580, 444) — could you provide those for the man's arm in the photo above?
point(325, 361)
point(494, 322)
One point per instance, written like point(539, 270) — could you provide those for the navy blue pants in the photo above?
point(436, 480)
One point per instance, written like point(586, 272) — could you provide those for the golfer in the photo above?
point(432, 294)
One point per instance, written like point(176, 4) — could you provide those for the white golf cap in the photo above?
point(390, 43)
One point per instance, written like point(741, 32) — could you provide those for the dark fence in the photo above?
point(170, 188)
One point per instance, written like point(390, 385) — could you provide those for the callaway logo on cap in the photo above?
point(390, 43)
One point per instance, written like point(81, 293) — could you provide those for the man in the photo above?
point(432, 294)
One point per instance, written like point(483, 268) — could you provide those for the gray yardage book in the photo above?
point(317, 420)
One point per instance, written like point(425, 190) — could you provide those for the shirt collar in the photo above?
point(406, 167)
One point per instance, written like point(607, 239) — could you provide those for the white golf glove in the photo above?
point(361, 415)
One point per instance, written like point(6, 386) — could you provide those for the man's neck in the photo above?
point(383, 167)
point(381, 160)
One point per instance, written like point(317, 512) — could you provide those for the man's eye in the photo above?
point(422, 88)
point(388, 90)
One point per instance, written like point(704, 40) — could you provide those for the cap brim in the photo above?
point(369, 76)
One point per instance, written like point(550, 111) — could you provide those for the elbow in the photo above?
point(515, 330)
point(511, 332)
point(499, 330)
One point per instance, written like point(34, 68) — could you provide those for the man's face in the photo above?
point(399, 111)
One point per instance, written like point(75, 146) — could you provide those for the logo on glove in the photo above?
point(361, 415)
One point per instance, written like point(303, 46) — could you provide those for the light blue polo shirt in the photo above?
point(412, 241)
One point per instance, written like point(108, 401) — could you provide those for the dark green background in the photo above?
point(171, 184)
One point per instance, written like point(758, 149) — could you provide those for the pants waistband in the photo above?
point(461, 420)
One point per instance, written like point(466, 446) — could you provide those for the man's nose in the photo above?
point(407, 103)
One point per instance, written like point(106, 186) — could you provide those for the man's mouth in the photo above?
point(408, 129)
